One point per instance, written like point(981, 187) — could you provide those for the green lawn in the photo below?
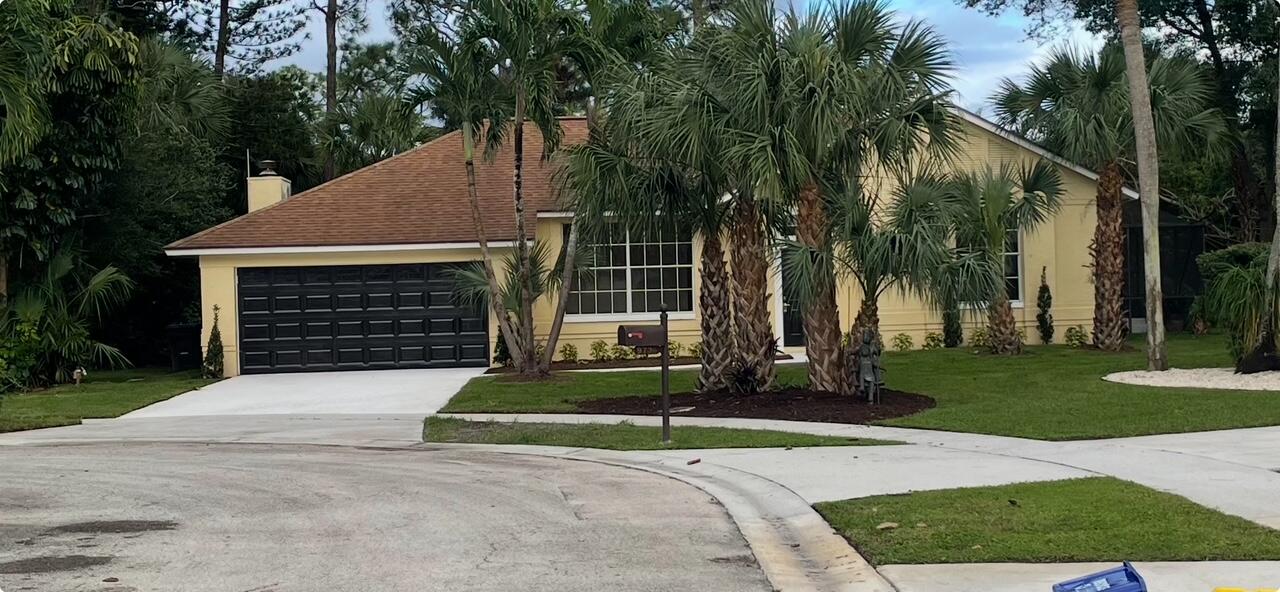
point(1050, 392)
point(1057, 393)
point(621, 436)
point(104, 394)
point(1097, 519)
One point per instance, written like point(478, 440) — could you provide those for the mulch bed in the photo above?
point(792, 404)
point(653, 361)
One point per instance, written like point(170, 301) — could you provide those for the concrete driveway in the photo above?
point(284, 518)
point(319, 393)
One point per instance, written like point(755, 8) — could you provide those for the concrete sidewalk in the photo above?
point(1200, 467)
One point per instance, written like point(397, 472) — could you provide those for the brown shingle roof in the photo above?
point(419, 196)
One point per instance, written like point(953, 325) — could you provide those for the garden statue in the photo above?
point(870, 374)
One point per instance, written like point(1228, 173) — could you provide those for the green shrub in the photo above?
point(621, 352)
point(1237, 301)
point(213, 362)
point(695, 349)
point(902, 342)
point(599, 351)
point(952, 330)
point(1214, 263)
point(674, 349)
point(19, 357)
point(1044, 304)
point(979, 338)
point(934, 340)
point(1075, 336)
point(501, 355)
point(569, 353)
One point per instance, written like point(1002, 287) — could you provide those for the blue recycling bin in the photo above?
point(1120, 579)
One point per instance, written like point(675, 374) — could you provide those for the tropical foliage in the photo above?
point(46, 324)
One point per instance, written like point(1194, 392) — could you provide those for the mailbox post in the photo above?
point(653, 339)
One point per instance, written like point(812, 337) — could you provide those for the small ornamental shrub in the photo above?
point(952, 330)
point(621, 352)
point(213, 362)
point(501, 355)
point(569, 353)
point(674, 349)
point(902, 342)
point(599, 351)
point(1044, 304)
point(979, 338)
point(744, 379)
point(19, 357)
point(1075, 336)
point(934, 340)
point(695, 349)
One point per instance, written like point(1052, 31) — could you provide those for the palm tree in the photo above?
point(53, 317)
point(619, 34)
point(992, 205)
point(530, 40)
point(618, 177)
point(1078, 105)
point(859, 92)
point(895, 237)
point(463, 91)
point(1144, 131)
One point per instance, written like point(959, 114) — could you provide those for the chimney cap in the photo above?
point(268, 168)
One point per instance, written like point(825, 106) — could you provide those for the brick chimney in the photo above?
point(268, 187)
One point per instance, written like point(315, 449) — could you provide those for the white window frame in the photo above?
point(1016, 302)
point(1019, 303)
point(630, 315)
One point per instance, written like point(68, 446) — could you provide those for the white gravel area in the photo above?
point(1212, 378)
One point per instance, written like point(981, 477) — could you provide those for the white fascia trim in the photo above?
point(1022, 142)
point(555, 214)
point(332, 249)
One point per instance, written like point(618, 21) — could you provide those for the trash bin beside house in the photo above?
point(184, 346)
point(1121, 579)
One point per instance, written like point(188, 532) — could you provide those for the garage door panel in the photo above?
point(356, 317)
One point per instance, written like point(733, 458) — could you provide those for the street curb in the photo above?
point(797, 550)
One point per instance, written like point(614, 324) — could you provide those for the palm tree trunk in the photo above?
point(562, 301)
point(715, 319)
point(821, 314)
point(1273, 258)
point(1148, 178)
point(1108, 262)
point(750, 294)
point(868, 318)
point(495, 300)
point(528, 363)
point(1001, 325)
point(330, 79)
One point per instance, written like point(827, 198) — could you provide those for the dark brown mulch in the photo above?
point(792, 404)
point(652, 361)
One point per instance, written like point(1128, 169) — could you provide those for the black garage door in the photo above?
point(358, 317)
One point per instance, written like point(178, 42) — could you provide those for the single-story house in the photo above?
point(353, 274)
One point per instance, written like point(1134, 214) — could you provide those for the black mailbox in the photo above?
point(643, 337)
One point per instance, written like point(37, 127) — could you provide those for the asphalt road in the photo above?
point(254, 518)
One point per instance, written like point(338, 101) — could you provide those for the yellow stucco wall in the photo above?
point(1060, 245)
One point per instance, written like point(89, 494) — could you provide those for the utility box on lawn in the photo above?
point(1121, 579)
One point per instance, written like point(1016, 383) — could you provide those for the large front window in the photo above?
point(630, 273)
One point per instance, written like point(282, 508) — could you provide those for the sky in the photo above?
point(987, 49)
